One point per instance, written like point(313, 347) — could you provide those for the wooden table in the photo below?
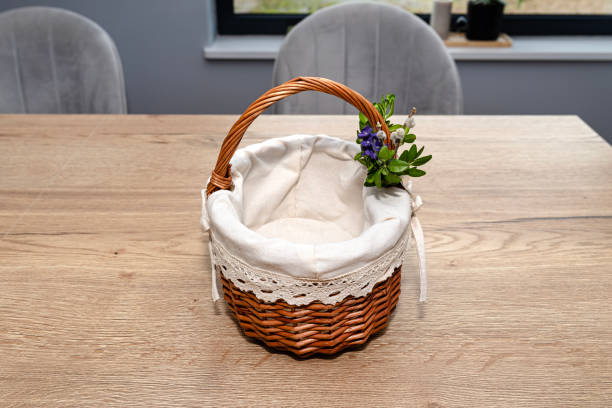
point(105, 279)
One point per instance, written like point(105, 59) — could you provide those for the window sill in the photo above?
point(526, 48)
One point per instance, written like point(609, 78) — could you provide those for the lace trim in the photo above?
point(271, 286)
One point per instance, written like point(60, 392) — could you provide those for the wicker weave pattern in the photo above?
point(315, 328)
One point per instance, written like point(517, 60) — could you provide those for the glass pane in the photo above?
point(424, 6)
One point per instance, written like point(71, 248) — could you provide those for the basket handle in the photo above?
point(221, 178)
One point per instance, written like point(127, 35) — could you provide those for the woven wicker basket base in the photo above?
point(315, 328)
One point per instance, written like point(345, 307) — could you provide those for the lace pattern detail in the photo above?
point(271, 286)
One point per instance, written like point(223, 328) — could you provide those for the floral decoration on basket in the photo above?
point(309, 258)
point(385, 169)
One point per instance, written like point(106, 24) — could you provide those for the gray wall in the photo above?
point(160, 42)
point(582, 88)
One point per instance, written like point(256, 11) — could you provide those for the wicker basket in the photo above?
point(315, 328)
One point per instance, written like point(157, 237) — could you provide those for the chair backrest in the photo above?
point(57, 61)
point(374, 49)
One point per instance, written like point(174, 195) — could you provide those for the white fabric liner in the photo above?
point(300, 226)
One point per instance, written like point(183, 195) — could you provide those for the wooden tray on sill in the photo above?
point(459, 40)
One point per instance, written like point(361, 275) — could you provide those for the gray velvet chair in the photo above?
point(56, 61)
point(374, 49)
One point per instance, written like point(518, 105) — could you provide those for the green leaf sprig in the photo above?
point(385, 169)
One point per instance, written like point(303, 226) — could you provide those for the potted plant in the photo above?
point(484, 19)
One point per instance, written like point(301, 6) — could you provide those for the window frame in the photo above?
point(230, 23)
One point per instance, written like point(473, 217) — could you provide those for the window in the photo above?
point(531, 17)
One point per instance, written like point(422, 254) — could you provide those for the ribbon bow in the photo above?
point(416, 232)
point(205, 223)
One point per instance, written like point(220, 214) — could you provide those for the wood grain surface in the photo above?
point(105, 276)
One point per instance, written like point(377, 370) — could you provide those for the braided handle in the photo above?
point(221, 178)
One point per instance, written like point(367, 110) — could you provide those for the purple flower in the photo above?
point(371, 154)
point(370, 144)
point(365, 132)
point(376, 143)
